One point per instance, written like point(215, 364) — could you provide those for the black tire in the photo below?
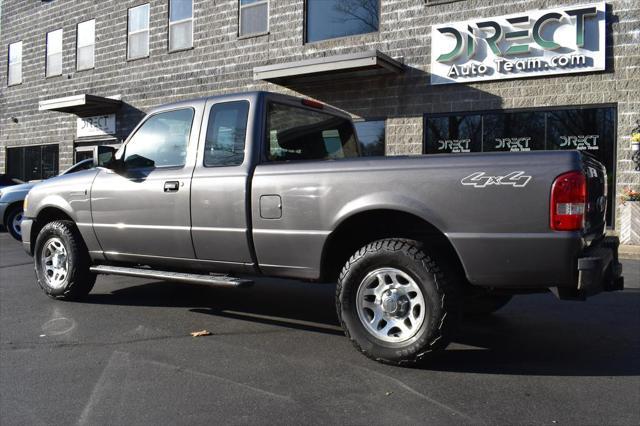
point(78, 280)
point(480, 302)
point(441, 299)
point(13, 213)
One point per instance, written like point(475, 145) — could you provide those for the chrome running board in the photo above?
point(224, 281)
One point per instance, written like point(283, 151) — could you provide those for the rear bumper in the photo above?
point(598, 270)
point(26, 235)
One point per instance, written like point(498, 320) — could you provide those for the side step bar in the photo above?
point(212, 280)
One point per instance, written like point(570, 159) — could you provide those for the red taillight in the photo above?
point(568, 201)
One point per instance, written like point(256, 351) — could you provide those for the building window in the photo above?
point(371, 135)
point(592, 129)
point(54, 53)
point(138, 32)
point(180, 24)
point(254, 17)
point(327, 19)
point(226, 132)
point(86, 44)
point(32, 162)
point(15, 64)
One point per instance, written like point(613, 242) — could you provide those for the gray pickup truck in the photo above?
point(222, 189)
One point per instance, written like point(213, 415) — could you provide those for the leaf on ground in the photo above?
point(201, 333)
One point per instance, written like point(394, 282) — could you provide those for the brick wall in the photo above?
point(222, 63)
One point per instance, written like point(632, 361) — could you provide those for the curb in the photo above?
point(629, 252)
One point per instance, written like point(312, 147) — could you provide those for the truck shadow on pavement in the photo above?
point(533, 335)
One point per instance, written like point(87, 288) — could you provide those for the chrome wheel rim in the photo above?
point(390, 305)
point(55, 262)
point(16, 224)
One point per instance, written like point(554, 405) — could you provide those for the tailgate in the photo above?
point(596, 208)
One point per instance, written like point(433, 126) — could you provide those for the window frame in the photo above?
point(148, 31)
point(122, 152)
point(78, 44)
point(240, 7)
point(246, 133)
point(24, 147)
point(170, 23)
point(265, 154)
point(46, 54)
point(305, 25)
point(9, 84)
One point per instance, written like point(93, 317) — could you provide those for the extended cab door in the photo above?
point(219, 213)
point(141, 213)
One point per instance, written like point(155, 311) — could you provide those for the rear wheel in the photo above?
point(13, 222)
point(62, 261)
point(395, 303)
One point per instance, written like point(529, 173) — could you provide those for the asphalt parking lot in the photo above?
point(277, 356)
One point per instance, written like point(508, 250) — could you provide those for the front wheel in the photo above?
point(395, 303)
point(13, 224)
point(62, 261)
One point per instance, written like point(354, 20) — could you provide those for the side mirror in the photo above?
point(104, 156)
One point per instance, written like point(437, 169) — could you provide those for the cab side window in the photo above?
point(295, 133)
point(226, 134)
point(161, 141)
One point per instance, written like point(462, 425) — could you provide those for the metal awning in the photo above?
point(82, 104)
point(359, 64)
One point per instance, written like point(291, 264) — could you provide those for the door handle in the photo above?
point(171, 186)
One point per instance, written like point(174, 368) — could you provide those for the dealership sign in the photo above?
point(542, 42)
point(99, 125)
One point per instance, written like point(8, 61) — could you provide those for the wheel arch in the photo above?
point(46, 215)
point(365, 226)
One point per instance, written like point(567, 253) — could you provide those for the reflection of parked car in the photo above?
point(12, 198)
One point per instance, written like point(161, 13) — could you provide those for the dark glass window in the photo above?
point(455, 133)
point(513, 131)
point(371, 135)
point(226, 134)
point(302, 134)
point(32, 162)
point(338, 18)
point(589, 129)
point(161, 141)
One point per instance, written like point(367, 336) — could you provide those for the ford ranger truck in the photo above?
point(222, 189)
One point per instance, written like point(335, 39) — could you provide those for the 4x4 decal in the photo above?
point(482, 180)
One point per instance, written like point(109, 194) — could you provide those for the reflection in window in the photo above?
point(513, 131)
point(456, 133)
point(32, 162)
point(86, 41)
point(15, 64)
point(54, 53)
point(254, 17)
point(302, 134)
point(138, 32)
point(588, 129)
point(180, 24)
point(327, 19)
point(226, 134)
point(371, 135)
point(161, 141)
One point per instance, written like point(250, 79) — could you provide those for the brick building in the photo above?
point(80, 73)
